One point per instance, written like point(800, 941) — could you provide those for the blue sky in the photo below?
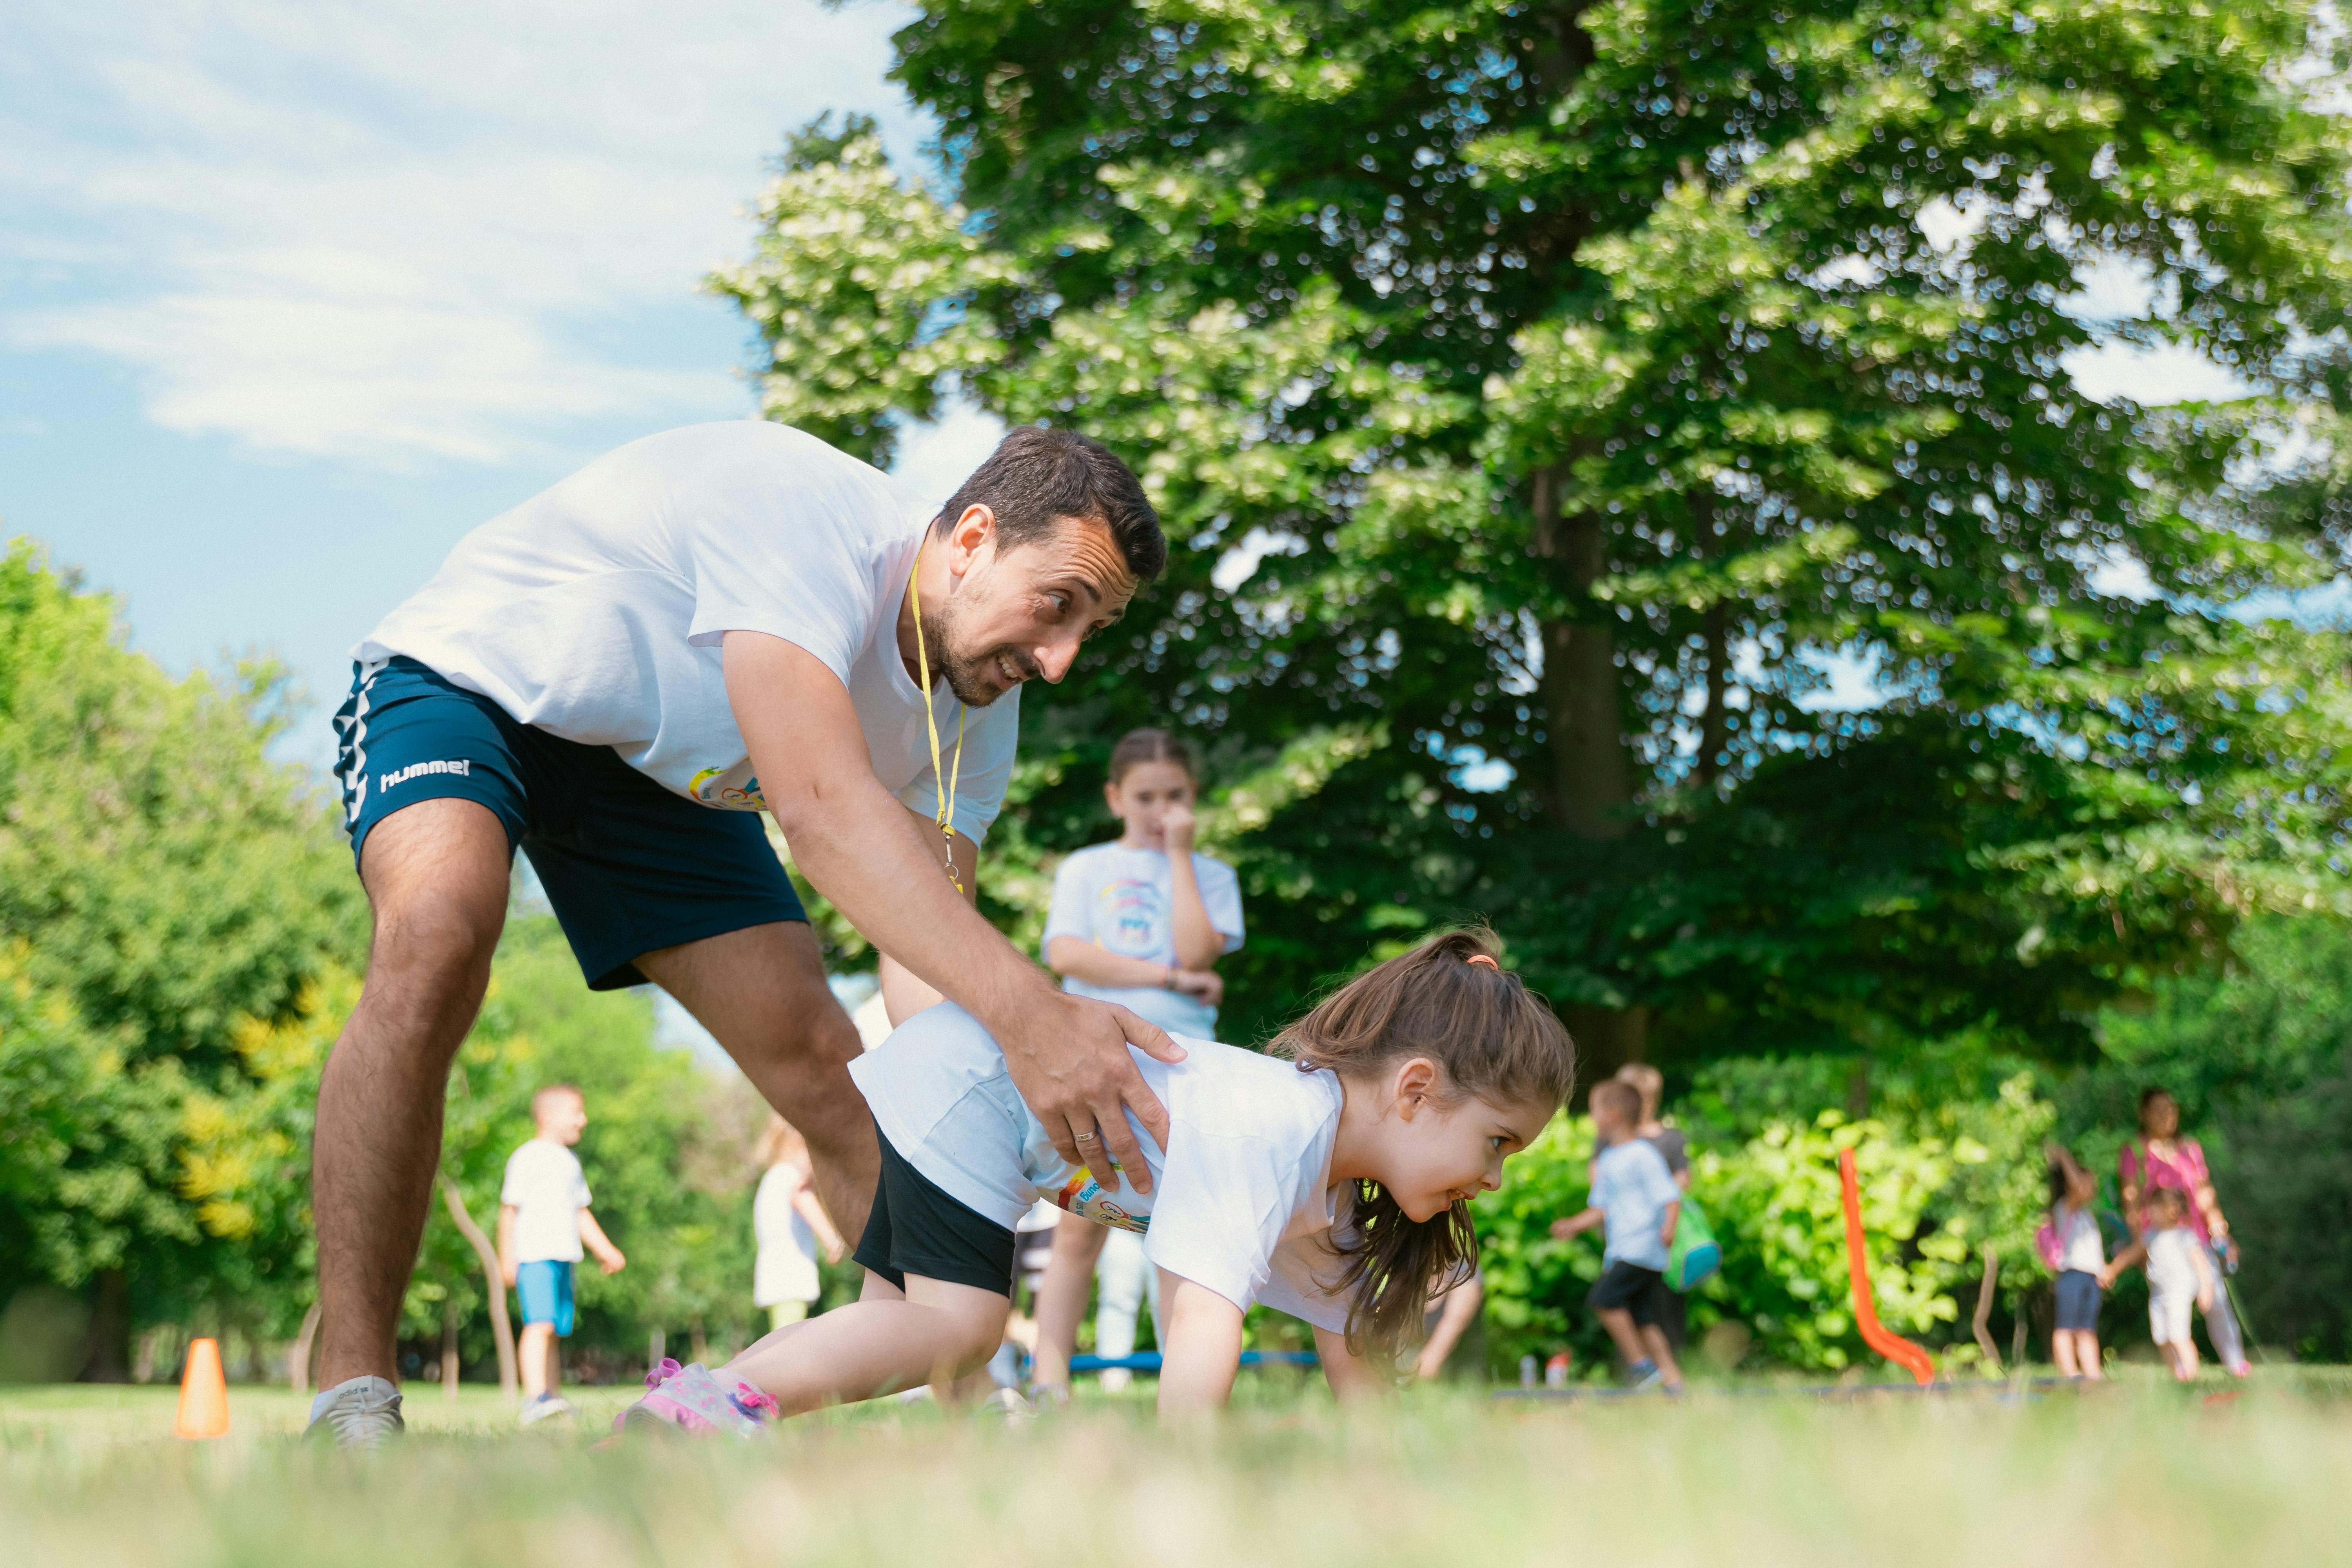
point(292, 295)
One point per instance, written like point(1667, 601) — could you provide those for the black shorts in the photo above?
point(1631, 1288)
point(916, 1228)
point(2078, 1301)
point(628, 867)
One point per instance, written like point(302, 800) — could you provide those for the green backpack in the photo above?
point(1694, 1254)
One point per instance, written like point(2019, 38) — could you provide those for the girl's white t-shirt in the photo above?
point(2079, 1244)
point(2172, 1270)
point(595, 611)
point(1242, 1199)
point(786, 1269)
point(1122, 900)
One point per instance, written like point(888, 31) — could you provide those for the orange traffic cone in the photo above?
point(204, 1394)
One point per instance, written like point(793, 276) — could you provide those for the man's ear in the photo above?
point(969, 536)
point(1413, 1083)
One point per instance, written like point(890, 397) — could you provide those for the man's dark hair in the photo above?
point(1037, 476)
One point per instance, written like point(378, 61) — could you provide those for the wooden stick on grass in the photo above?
point(492, 1276)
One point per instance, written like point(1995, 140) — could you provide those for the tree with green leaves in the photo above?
point(164, 885)
point(1557, 389)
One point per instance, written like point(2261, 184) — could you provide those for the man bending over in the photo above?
point(615, 677)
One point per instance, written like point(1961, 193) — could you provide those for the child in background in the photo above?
point(789, 1224)
point(1334, 1185)
point(543, 1218)
point(1140, 922)
point(1637, 1201)
point(2180, 1278)
point(2074, 1249)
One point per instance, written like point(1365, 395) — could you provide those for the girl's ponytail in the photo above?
point(1449, 1000)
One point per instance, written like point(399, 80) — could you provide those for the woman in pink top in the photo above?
point(2162, 1158)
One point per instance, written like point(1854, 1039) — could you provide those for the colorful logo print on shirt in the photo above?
point(728, 789)
point(1131, 920)
point(1082, 1194)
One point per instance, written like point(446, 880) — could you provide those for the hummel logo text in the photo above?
point(461, 768)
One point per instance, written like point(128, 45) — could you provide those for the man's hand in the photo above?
point(1068, 1058)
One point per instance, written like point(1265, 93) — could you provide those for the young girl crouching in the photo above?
point(1334, 1185)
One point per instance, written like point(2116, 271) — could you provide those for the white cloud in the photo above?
point(434, 230)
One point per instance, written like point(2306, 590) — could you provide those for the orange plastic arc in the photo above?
point(204, 1394)
point(1893, 1347)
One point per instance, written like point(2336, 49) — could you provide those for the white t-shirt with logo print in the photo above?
point(595, 611)
point(1122, 900)
point(1242, 1201)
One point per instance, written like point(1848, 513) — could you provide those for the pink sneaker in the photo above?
point(689, 1399)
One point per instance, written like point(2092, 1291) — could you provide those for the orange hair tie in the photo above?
point(1482, 958)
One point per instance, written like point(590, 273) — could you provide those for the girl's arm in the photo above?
point(1198, 943)
point(806, 1204)
point(2127, 1181)
point(1461, 1309)
point(1203, 1350)
point(1351, 1377)
point(1082, 960)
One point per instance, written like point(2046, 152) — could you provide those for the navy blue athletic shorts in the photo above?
point(2078, 1301)
point(628, 867)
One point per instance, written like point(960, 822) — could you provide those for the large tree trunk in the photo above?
point(1591, 781)
point(1714, 729)
point(1591, 777)
point(494, 1278)
point(110, 1329)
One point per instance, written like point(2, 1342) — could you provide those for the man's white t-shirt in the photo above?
point(1122, 900)
point(548, 1189)
point(1242, 1200)
point(595, 611)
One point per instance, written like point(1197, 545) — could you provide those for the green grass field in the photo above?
point(2139, 1474)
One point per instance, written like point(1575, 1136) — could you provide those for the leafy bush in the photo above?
point(1936, 1185)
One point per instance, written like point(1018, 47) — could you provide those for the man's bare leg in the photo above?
point(762, 994)
point(435, 873)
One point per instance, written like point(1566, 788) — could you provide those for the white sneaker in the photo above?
point(540, 1409)
point(361, 1413)
point(1007, 1406)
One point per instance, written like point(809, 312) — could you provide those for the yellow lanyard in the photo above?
point(946, 817)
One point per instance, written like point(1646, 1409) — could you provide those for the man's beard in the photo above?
point(974, 677)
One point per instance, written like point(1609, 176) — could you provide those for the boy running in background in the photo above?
point(1636, 1201)
point(543, 1218)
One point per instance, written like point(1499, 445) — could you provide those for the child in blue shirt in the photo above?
point(1636, 1201)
